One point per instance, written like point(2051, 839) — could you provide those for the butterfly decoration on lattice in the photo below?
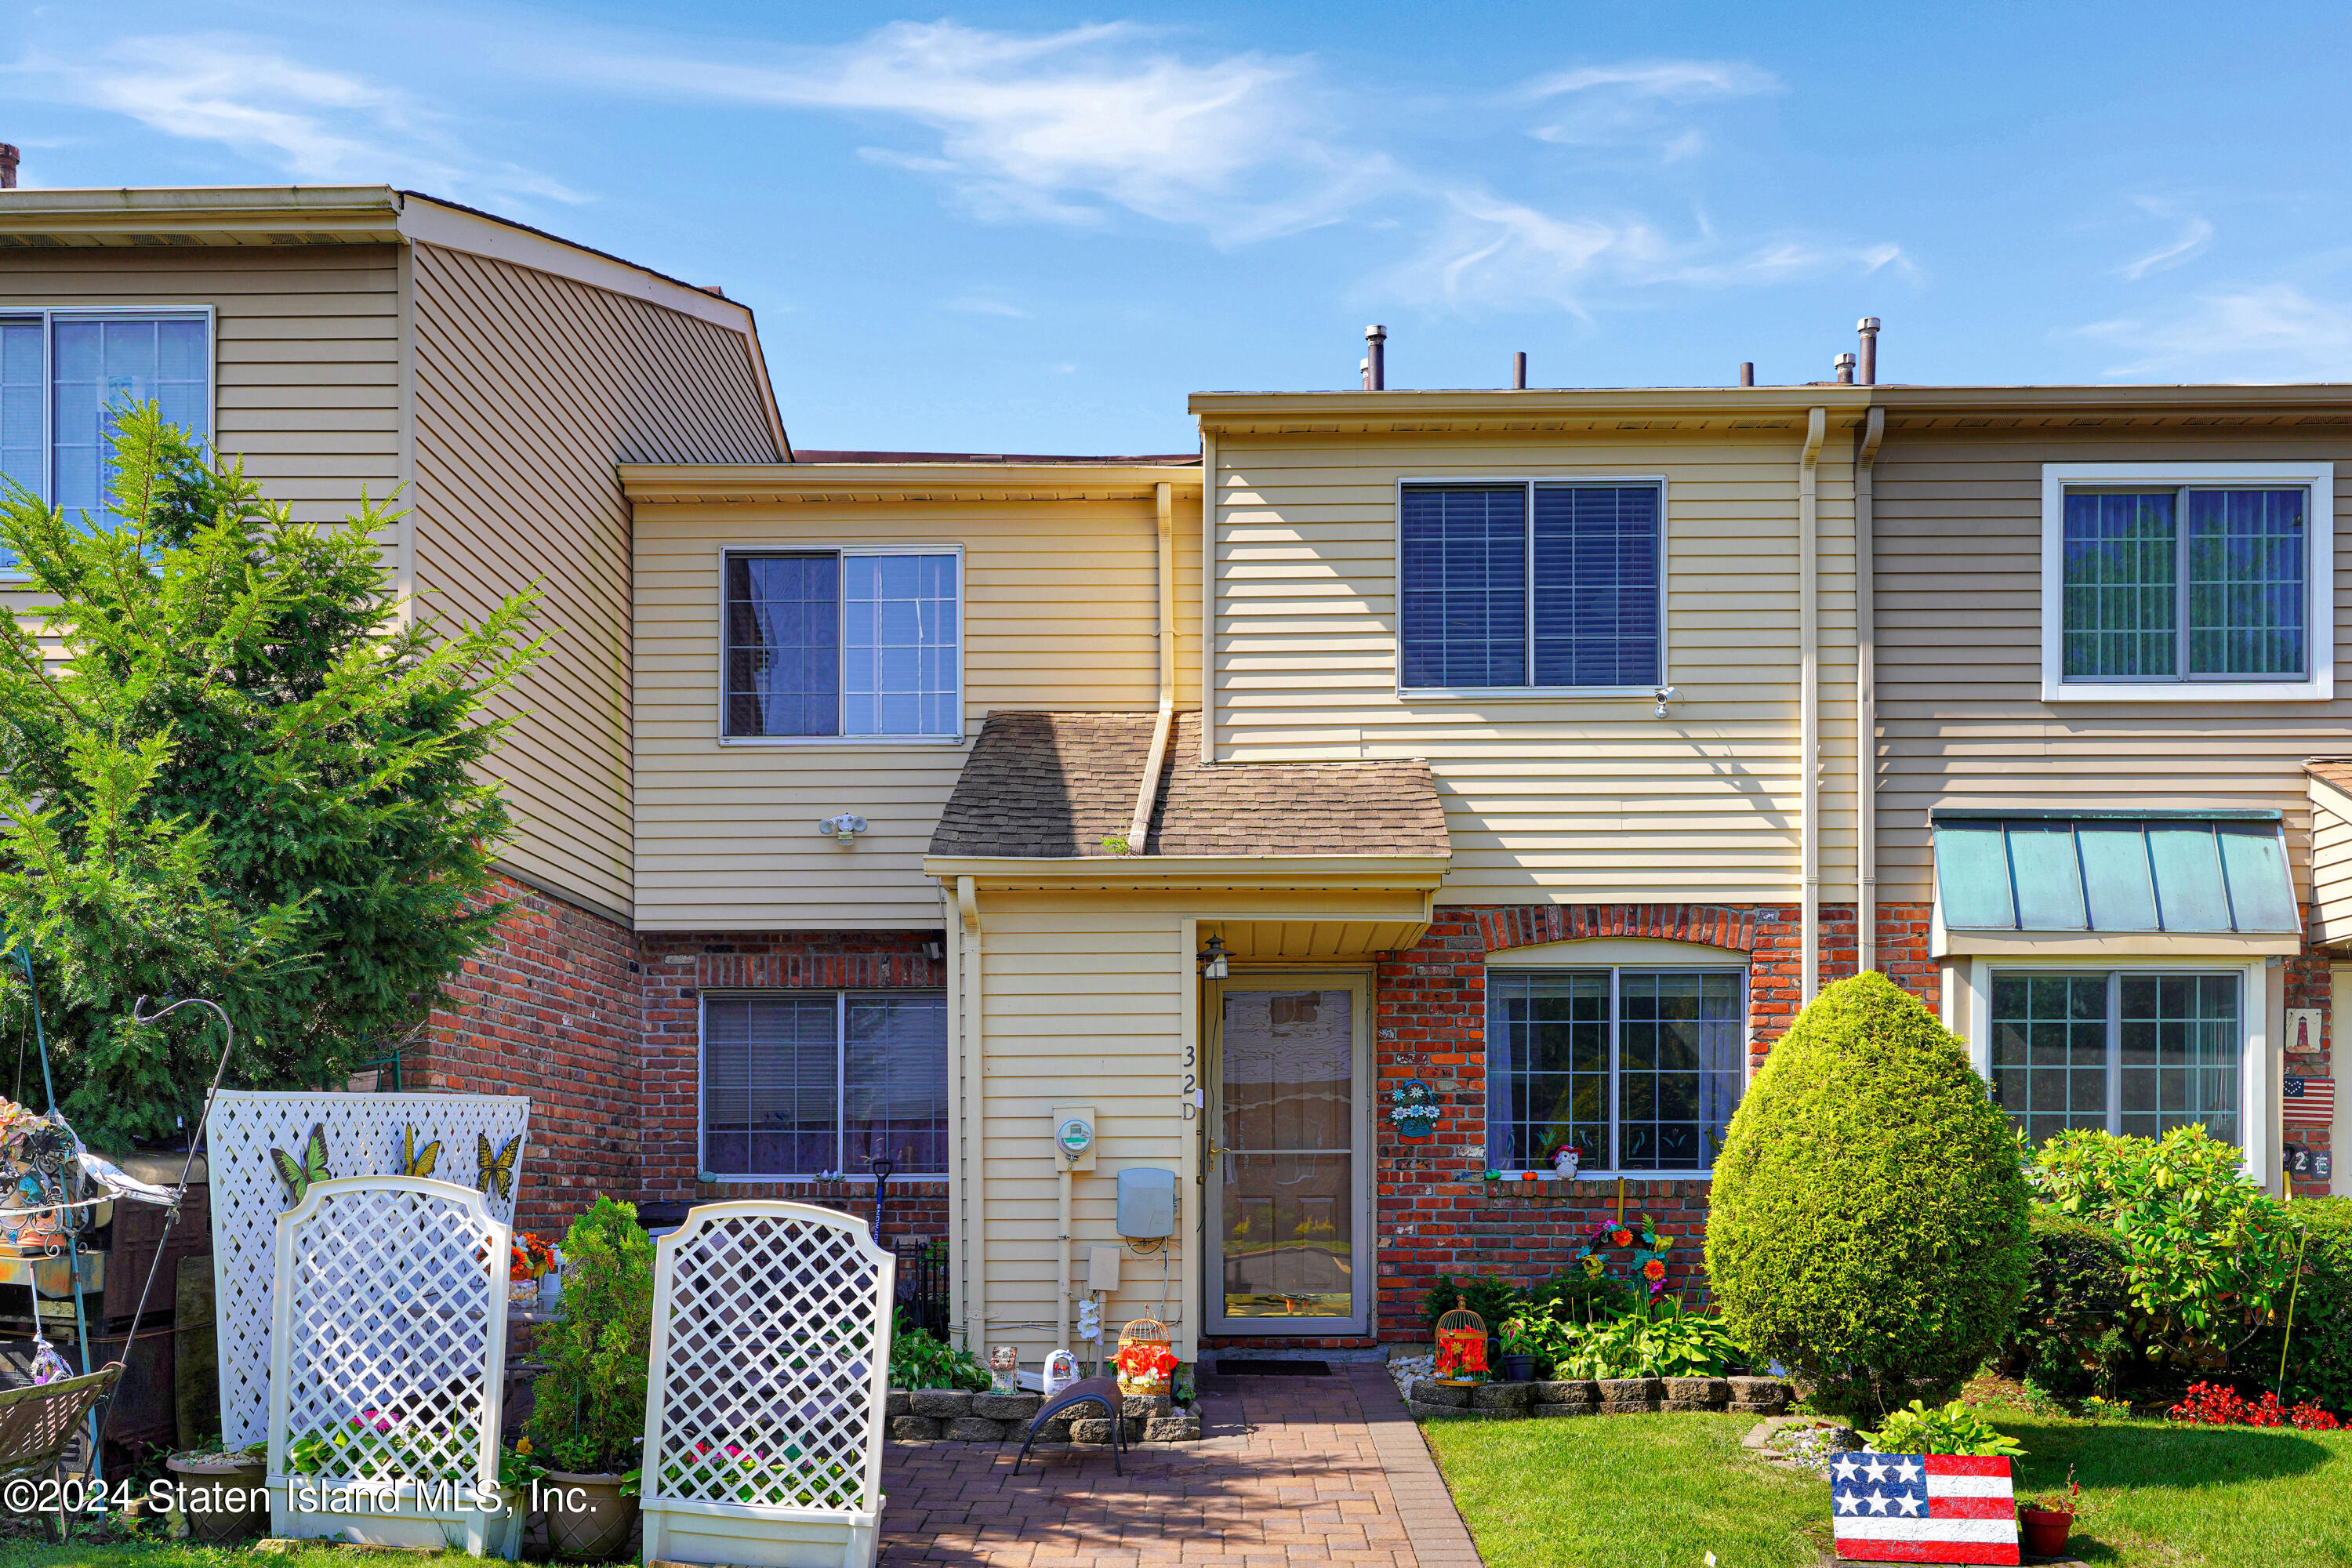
point(496, 1172)
point(297, 1174)
point(414, 1160)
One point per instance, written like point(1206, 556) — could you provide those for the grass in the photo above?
point(22, 1553)
point(1662, 1491)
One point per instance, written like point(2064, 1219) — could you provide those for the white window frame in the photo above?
point(49, 316)
point(702, 1171)
point(814, 547)
point(1523, 693)
point(2258, 1057)
point(2318, 684)
point(1616, 955)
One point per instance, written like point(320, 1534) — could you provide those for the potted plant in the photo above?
point(2047, 1521)
point(588, 1413)
point(530, 1257)
point(223, 1491)
point(1521, 1348)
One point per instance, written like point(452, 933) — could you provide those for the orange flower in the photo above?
point(1621, 1238)
point(1653, 1269)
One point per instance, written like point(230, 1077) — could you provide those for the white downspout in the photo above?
point(1208, 597)
point(1138, 825)
point(975, 1108)
point(1865, 702)
point(1809, 702)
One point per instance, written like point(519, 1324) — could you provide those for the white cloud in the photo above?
point(316, 125)
point(1640, 104)
point(1489, 252)
point(1063, 127)
point(2259, 333)
point(1684, 81)
point(2194, 238)
point(980, 305)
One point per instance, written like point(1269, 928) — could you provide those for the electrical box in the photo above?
point(1147, 1203)
point(1102, 1270)
point(1074, 1137)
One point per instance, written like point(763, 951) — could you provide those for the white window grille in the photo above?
point(771, 1360)
point(388, 1355)
point(364, 1139)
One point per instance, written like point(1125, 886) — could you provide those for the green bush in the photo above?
point(2319, 1344)
point(1954, 1429)
point(588, 1408)
point(2210, 1255)
point(1868, 1229)
point(1491, 1296)
point(2070, 1336)
point(1653, 1342)
point(919, 1360)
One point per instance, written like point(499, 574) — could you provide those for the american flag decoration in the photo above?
point(2308, 1100)
point(1923, 1507)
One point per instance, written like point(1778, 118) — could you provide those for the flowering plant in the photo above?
point(531, 1256)
point(2219, 1405)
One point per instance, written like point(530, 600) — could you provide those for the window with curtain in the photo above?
point(800, 1083)
point(842, 643)
point(1640, 1069)
point(1534, 585)
point(2185, 583)
point(2133, 1054)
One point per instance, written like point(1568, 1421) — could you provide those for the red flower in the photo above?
point(1621, 1238)
point(1653, 1269)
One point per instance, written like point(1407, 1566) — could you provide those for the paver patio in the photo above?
point(1292, 1469)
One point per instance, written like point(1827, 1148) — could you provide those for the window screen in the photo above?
point(839, 643)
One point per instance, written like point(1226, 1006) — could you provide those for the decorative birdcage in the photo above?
point(770, 1366)
point(1461, 1347)
point(1145, 1358)
point(388, 1354)
point(434, 1135)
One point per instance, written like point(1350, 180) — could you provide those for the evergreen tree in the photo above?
point(234, 764)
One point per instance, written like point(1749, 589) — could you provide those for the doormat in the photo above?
point(1227, 1367)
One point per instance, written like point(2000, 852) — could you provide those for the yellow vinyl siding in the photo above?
point(1958, 545)
point(1060, 610)
point(2331, 863)
point(1575, 799)
point(529, 389)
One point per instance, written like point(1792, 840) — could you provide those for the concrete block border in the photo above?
point(955, 1415)
point(1430, 1400)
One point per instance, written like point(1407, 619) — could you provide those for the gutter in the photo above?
point(1138, 825)
point(1808, 704)
point(1866, 700)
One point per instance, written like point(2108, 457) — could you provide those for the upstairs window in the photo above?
point(1538, 587)
point(64, 373)
point(842, 644)
point(2188, 581)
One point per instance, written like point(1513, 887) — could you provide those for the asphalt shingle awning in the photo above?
point(2201, 873)
point(1057, 785)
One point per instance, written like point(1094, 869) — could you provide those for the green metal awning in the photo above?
point(2208, 872)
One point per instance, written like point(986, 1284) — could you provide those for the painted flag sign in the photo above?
point(2308, 1100)
point(1923, 1507)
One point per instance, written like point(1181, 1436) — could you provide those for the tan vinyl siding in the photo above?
point(1958, 544)
point(529, 389)
point(1060, 610)
point(1575, 799)
point(2331, 864)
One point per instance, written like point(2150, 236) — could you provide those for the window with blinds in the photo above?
point(1534, 585)
point(801, 1083)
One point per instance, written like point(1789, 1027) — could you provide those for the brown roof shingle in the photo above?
point(1057, 784)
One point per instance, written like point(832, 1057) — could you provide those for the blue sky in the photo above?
point(1032, 228)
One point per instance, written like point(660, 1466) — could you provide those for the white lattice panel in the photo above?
point(364, 1139)
point(390, 1331)
point(771, 1355)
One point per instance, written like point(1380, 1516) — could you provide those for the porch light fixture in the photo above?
point(1213, 959)
point(844, 829)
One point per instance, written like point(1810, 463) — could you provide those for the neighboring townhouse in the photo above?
point(345, 340)
point(1527, 757)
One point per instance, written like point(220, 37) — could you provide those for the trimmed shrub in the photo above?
point(588, 1408)
point(1869, 1228)
point(2319, 1346)
point(2069, 1336)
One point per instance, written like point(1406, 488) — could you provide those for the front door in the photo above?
point(1289, 1204)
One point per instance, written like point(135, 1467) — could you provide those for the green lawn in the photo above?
point(21, 1554)
point(1662, 1491)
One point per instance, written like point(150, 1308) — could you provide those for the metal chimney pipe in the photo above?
point(1845, 370)
point(1376, 372)
point(1868, 328)
point(1519, 371)
point(1364, 372)
point(9, 158)
point(1747, 373)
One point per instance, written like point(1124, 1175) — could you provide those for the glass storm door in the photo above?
point(1288, 1205)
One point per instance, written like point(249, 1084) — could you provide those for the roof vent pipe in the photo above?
point(1868, 328)
point(1376, 342)
point(9, 159)
point(1519, 371)
point(1747, 373)
point(1845, 370)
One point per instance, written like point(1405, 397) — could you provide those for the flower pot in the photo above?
point(523, 1293)
point(597, 1528)
point(1518, 1369)
point(2045, 1531)
point(221, 1498)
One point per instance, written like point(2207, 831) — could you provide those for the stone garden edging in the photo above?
point(954, 1416)
point(1430, 1400)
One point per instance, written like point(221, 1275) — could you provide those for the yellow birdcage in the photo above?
point(1145, 1358)
point(1461, 1347)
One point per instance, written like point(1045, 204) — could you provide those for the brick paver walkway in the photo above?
point(1289, 1470)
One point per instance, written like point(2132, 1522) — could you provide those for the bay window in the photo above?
point(2118, 1051)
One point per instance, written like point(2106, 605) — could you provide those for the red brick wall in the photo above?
point(678, 967)
point(549, 1009)
point(2307, 986)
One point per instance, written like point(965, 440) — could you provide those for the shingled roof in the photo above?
point(1057, 784)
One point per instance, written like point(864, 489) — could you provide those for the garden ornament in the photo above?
point(1413, 1108)
point(1565, 1160)
point(1461, 1347)
point(1061, 1370)
point(1004, 1369)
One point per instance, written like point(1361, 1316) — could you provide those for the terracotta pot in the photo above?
point(221, 1498)
point(598, 1530)
point(2045, 1531)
